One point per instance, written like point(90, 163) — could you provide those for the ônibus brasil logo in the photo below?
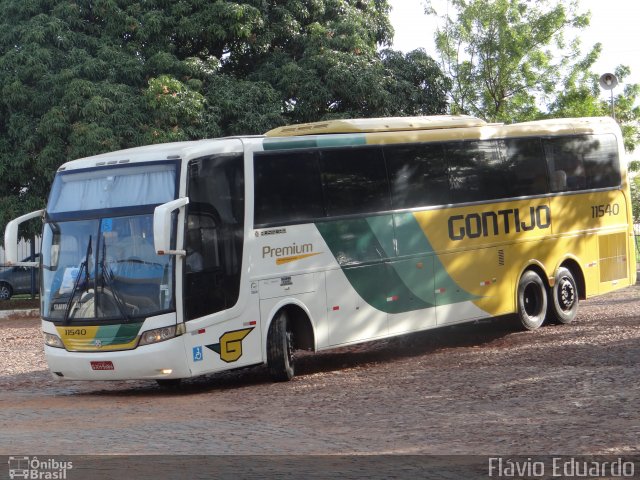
point(40, 469)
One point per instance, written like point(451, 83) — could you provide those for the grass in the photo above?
point(20, 302)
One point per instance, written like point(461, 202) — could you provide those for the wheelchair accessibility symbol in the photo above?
point(197, 354)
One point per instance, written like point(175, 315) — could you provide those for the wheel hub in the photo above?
point(567, 294)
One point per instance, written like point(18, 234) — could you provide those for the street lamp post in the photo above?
point(609, 81)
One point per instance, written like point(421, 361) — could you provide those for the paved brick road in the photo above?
point(476, 389)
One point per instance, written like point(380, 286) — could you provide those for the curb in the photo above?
point(29, 313)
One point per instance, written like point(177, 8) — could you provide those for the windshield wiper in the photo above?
point(84, 265)
point(107, 277)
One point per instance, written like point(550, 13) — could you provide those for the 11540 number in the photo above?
point(598, 211)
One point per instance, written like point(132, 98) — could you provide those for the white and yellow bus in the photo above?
point(176, 260)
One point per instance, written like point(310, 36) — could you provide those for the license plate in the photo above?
point(102, 365)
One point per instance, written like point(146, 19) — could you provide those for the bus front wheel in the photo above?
point(532, 300)
point(169, 383)
point(280, 349)
point(563, 304)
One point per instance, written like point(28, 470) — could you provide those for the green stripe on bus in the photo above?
point(365, 250)
point(118, 334)
point(411, 242)
point(380, 286)
point(292, 143)
point(382, 228)
point(417, 275)
point(357, 244)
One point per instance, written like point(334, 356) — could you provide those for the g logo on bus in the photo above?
point(230, 346)
point(98, 343)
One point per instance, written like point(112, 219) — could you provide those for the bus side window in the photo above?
point(287, 188)
point(418, 175)
point(475, 171)
point(565, 154)
point(354, 181)
point(558, 181)
point(202, 243)
point(526, 173)
point(601, 162)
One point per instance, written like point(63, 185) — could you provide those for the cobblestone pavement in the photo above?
point(483, 389)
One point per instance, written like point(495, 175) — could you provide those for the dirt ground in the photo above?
point(483, 389)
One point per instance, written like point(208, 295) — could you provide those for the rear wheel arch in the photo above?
point(539, 269)
point(574, 267)
point(302, 328)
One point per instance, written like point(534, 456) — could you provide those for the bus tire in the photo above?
point(532, 300)
point(169, 383)
point(564, 297)
point(280, 349)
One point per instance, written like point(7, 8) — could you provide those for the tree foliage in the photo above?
point(581, 98)
point(499, 53)
point(511, 60)
point(89, 76)
point(635, 199)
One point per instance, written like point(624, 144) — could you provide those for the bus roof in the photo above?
point(369, 125)
point(353, 132)
point(160, 151)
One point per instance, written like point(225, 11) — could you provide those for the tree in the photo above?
point(416, 85)
point(581, 97)
point(84, 77)
point(635, 199)
point(322, 57)
point(509, 61)
point(627, 110)
point(500, 54)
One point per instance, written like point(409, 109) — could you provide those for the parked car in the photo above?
point(16, 280)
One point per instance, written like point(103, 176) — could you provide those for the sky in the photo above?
point(614, 23)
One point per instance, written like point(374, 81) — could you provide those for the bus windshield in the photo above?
point(113, 187)
point(104, 269)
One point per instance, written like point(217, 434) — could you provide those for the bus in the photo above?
point(171, 261)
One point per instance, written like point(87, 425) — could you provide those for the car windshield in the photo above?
point(104, 269)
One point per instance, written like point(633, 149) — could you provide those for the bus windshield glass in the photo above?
point(113, 187)
point(104, 269)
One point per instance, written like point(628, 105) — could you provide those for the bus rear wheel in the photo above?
point(280, 349)
point(563, 304)
point(532, 300)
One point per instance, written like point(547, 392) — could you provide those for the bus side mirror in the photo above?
point(162, 226)
point(11, 240)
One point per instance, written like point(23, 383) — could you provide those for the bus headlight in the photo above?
point(161, 334)
point(53, 340)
